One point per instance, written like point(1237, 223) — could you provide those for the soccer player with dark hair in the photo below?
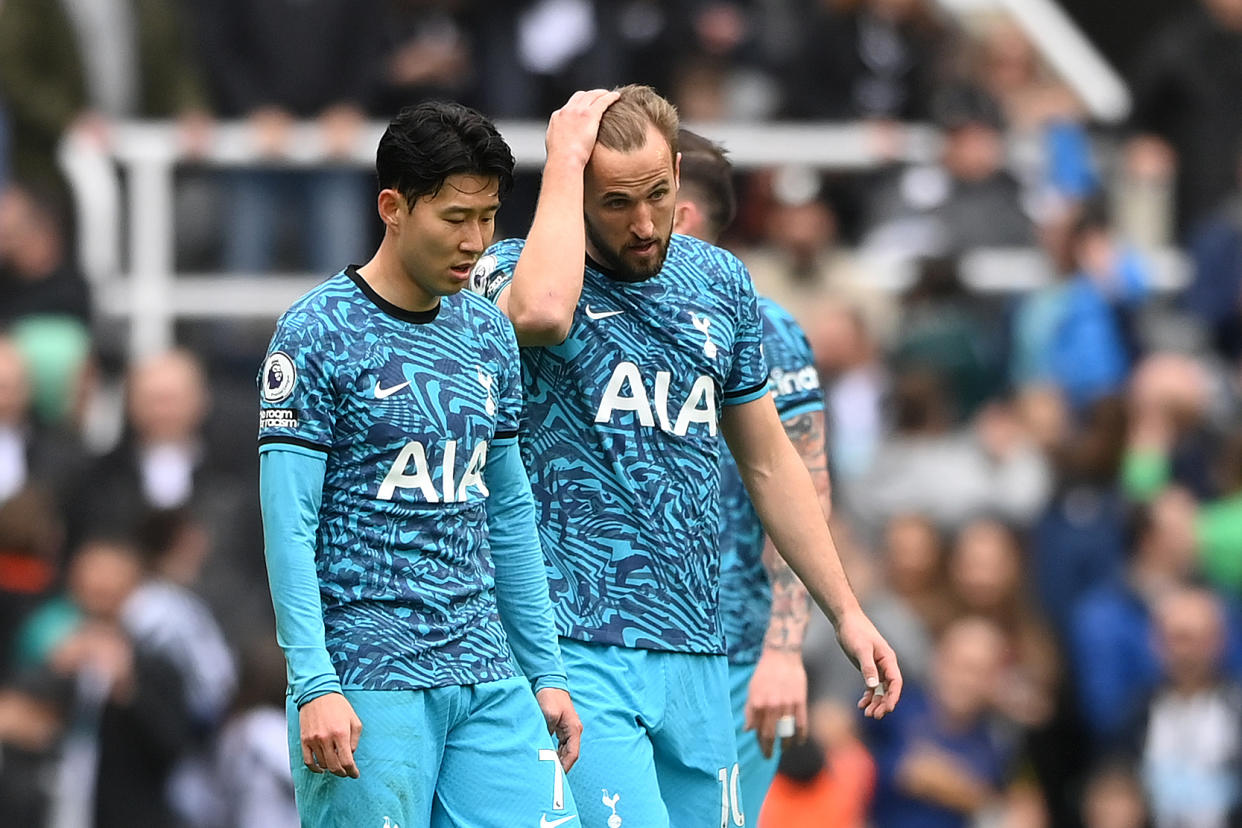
point(400, 533)
point(764, 608)
point(633, 365)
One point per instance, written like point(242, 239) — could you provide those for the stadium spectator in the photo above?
point(1079, 541)
point(877, 59)
point(38, 275)
point(968, 200)
point(127, 723)
point(995, 468)
point(938, 759)
point(1114, 660)
point(166, 459)
point(1186, 736)
point(252, 752)
point(265, 63)
point(1214, 295)
point(1185, 120)
point(82, 64)
point(1076, 334)
point(985, 574)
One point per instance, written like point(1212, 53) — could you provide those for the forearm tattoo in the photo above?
point(791, 603)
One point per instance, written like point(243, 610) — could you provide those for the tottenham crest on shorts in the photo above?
point(278, 377)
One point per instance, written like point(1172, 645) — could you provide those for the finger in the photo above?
point(355, 733)
point(892, 679)
point(802, 724)
point(345, 758)
point(308, 759)
point(568, 748)
point(599, 104)
point(765, 732)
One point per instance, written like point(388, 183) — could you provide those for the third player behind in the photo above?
point(640, 347)
point(764, 608)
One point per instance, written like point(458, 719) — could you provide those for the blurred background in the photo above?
point(1012, 230)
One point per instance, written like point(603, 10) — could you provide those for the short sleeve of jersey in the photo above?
point(509, 415)
point(297, 400)
point(748, 376)
point(494, 270)
point(795, 380)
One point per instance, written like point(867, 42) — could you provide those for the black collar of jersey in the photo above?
point(614, 275)
point(417, 317)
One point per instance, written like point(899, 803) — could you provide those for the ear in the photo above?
point(391, 206)
point(677, 172)
point(685, 218)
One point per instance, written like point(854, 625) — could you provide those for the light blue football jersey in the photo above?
point(404, 405)
point(621, 442)
point(745, 591)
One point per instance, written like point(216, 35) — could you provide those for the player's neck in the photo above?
point(388, 279)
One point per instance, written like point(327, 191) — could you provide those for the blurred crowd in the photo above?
point(1038, 490)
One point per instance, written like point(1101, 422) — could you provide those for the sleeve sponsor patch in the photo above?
point(278, 418)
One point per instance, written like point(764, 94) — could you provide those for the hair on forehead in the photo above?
point(623, 126)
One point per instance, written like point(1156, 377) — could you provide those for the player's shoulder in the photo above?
point(701, 254)
point(320, 308)
point(776, 315)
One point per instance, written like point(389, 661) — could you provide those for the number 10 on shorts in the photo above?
point(730, 797)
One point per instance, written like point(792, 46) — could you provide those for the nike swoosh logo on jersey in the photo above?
point(544, 822)
point(600, 314)
point(382, 393)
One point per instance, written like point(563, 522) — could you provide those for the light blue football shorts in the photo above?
point(757, 773)
point(477, 756)
point(658, 749)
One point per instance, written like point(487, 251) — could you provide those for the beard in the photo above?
point(615, 260)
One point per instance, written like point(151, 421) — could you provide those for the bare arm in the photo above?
point(547, 280)
point(778, 686)
point(784, 496)
point(791, 603)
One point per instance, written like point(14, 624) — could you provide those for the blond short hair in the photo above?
point(624, 125)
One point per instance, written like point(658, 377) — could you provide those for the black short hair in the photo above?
point(707, 172)
point(430, 141)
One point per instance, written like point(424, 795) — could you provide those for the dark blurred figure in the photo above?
point(168, 460)
point(38, 275)
point(1214, 295)
point(1079, 542)
point(968, 200)
point(81, 64)
point(948, 331)
point(252, 753)
point(429, 54)
point(274, 63)
point(866, 59)
point(128, 724)
point(165, 618)
point(1186, 118)
point(939, 760)
point(32, 718)
point(1188, 738)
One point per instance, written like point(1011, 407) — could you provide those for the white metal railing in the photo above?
point(134, 278)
